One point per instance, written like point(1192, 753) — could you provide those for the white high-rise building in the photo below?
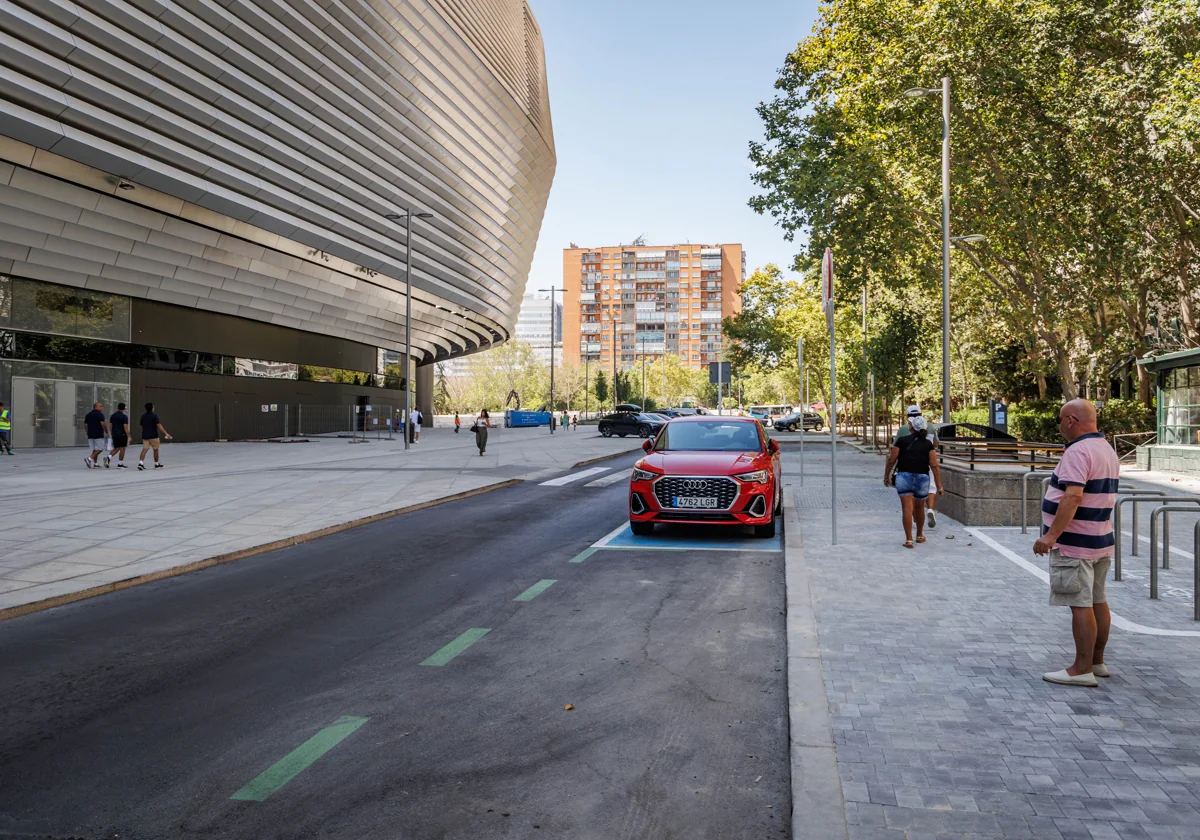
point(533, 324)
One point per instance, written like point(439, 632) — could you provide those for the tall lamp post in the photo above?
point(407, 216)
point(944, 92)
point(551, 290)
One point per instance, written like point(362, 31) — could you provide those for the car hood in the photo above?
point(705, 463)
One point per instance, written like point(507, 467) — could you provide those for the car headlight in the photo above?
point(643, 475)
point(756, 477)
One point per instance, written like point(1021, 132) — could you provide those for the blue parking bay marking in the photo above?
point(690, 538)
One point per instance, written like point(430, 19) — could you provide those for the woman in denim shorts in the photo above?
point(913, 456)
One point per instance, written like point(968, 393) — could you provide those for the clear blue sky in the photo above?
point(653, 107)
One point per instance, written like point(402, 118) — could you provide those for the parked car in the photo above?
point(686, 412)
point(630, 420)
point(715, 470)
point(761, 416)
point(792, 422)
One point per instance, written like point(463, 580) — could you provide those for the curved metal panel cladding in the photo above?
point(293, 123)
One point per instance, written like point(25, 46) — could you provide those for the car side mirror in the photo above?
point(647, 444)
point(772, 446)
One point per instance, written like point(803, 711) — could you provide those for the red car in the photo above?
point(715, 470)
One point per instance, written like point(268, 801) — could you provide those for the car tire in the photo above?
point(791, 427)
point(641, 529)
point(605, 430)
point(819, 426)
point(765, 532)
point(778, 503)
point(645, 431)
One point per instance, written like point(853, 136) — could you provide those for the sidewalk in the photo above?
point(932, 661)
point(67, 529)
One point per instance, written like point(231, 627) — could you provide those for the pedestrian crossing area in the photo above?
point(600, 477)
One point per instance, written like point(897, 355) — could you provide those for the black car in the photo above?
point(630, 420)
point(791, 422)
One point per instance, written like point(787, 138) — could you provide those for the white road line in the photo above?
point(1044, 577)
point(609, 479)
point(607, 538)
point(1180, 551)
point(567, 479)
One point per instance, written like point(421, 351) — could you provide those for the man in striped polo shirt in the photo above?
point(1077, 534)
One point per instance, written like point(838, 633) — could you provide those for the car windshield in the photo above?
point(710, 436)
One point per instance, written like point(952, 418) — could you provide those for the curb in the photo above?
point(818, 807)
point(605, 458)
point(175, 571)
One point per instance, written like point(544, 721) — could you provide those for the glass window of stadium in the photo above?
point(1179, 406)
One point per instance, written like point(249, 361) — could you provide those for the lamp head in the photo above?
point(970, 237)
point(918, 92)
point(393, 217)
point(423, 215)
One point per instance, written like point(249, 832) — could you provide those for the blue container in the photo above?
point(521, 419)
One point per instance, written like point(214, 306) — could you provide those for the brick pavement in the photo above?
point(943, 727)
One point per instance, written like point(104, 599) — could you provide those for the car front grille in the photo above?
point(720, 487)
point(694, 516)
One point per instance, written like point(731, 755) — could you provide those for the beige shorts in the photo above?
point(151, 443)
point(1078, 583)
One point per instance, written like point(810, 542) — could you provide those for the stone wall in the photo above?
point(1181, 459)
point(989, 497)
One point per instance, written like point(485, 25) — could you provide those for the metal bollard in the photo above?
point(1025, 499)
point(1196, 572)
point(1162, 510)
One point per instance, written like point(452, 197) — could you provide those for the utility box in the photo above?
point(998, 415)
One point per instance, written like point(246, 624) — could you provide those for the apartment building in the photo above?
point(534, 326)
point(624, 303)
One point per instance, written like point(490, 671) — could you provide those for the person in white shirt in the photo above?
point(414, 422)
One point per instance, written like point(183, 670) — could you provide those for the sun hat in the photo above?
point(917, 423)
point(914, 411)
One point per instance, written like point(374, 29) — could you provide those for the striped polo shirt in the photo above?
point(1088, 462)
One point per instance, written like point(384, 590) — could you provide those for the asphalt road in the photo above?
point(284, 696)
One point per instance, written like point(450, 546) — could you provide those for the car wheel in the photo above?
point(778, 503)
point(791, 427)
point(767, 531)
point(645, 431)
point(819, 426)
point(606, 430)
point(642, 529)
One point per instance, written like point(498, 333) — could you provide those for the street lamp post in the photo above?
point(944, 92)
point(551, 290)
point(407, 216)
point(643, 372)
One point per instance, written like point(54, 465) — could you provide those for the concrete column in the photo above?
point(424, 383)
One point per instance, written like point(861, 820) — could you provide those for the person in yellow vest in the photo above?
point(5, 428)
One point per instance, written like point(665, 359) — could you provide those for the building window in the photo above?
point(1179, 406)
point(63, 310)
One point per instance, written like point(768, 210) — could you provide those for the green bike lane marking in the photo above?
point(298, 760)
point(535, 590)
point(457, 646)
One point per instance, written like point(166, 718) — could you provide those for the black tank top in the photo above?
point(914, 454)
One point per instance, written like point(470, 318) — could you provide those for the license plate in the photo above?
point(693, 502)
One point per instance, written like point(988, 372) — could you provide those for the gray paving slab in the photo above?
point(931, 662)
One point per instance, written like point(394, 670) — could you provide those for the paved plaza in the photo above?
point(67, 529)
point(932, 661)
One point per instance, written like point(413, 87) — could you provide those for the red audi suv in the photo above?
point(714, 470)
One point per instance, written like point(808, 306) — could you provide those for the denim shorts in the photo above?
point(913, 484)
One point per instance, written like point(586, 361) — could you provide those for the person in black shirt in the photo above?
point(913, 456)
point(151, 427)
point(97, 433)
point(118, 425)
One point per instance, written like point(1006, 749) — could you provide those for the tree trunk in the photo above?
point(1143, 376)
point(1043, 386)
point(1066, 377)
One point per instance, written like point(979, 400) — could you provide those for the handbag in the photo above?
point(474, 427)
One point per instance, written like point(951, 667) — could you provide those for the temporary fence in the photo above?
point(244, 421)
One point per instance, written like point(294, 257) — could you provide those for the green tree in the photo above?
point(600, 389)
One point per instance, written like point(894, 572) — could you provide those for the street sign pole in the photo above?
point(827, 276)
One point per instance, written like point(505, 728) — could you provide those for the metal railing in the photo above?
point(1131, 445)
point(1025, 495)
point(1005, 453)
point(1164, 511)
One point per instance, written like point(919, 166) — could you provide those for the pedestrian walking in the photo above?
point(414, 420)
point(482, 423)
point(151, 428)
point(913, 456)
point(575, 421)
point(118, 428)
point(904, 431)
point(5, 428)
point(457, 423)
point(97, 434)
point(1077, 533)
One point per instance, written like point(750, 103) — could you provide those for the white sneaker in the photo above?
point(87, 460)
point(931, 520)
point(1063, 678)
point(1101, 670)
point(107, 461)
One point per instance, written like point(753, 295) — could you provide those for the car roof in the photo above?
point(708, 418)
